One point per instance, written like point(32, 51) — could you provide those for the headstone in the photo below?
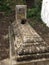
point(45, 12)
point(20, 12)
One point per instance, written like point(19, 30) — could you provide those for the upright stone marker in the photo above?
point(20, 12)
point(45, 12)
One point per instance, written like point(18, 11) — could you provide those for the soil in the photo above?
point(4, 42)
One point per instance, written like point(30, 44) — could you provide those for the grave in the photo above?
point(28, 46)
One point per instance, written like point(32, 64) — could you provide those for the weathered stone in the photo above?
point(28, 44)
point(20, 12)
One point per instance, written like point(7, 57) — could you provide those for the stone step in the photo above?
point(32, 57)
point(27, 51)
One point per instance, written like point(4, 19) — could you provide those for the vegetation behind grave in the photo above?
point(35, 11)
point(8, 6)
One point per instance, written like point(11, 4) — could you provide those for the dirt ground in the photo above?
point(4, 43)
point(39, 26)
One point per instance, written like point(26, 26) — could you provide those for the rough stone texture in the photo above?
point(28, 44)
point(29, 34)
